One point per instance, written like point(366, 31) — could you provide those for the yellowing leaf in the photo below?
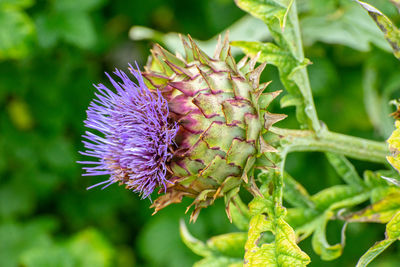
point(392, 33)
point(283, 250)
point(394, 145)
point(392, 234)
point(380, 212)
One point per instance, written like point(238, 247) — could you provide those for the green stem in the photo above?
point(353, 147)
point(302, 76)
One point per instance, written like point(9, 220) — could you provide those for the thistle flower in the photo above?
point(192, 127)
point(221, 110)
point(133, 135)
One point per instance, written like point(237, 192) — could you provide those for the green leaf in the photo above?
point(345, 169)
point(270, 53)
point(247, 28)
point(16, 3)
point(376, 104)
point(391, 32)
point(295, 193)
point(334, 196)
point(222, 250)
point(239, 214)
point(75, 28)
point(392, 234)
point(393, 227)
point(219, 262)
point(231, 244)
point(16, 33)
point(347, 25)
point(193, 243)
point(56, 256)
point(373, 252)
point(319, 242)
point(286, 64)
point(76, 5)
point(396, 3)
point(281, 18)
point(90, 248)
point(86, 248)
point(283, 251)
point(15, 238)
point(274, 13)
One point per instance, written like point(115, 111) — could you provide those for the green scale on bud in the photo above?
point(220, 108)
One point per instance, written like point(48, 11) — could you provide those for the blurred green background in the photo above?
point(52, 51)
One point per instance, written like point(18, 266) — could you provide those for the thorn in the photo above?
point(254, 60)
point(255, 75)
point(265, 147)
point(218, 47)
point(242, 62)
point(187, 48)
point(179, 56)
point(231, 61)
point(271, 118)
point(177, 69)
point(225, 47)
point(261, 89)
point(204, 75)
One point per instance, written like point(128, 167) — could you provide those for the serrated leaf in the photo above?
point(275, 14)
point(392, 234)
point(283, 251)
point(270, 53)
point(286, 64)
point(391, 32)
point(281, 18)
point(345, 169)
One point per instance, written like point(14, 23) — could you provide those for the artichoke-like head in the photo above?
point(220, 109)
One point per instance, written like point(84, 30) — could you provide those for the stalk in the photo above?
point(304, 82)
point(353, 147)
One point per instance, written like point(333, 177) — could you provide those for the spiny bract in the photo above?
point(220, 108)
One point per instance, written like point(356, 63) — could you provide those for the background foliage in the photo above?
point(51, 51)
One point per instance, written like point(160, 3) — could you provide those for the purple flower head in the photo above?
point(133, 135)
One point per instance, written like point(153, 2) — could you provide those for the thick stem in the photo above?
point(302, 76)
point(353, 147)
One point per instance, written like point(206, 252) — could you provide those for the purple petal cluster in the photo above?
point(132, 136)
